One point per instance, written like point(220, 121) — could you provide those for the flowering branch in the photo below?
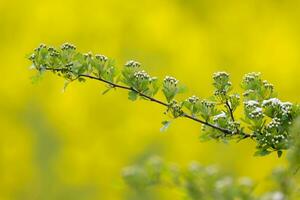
point(114, 85)
point(266, 118)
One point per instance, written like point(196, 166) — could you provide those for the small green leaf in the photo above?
point(262, 152)
point(80, 79)
point(165, 126)
point(65, 86)
point(279, 154)
point(182, 89)
point(132, 95)
point(36, 78)
point(107, 90)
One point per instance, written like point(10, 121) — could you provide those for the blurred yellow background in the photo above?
point(73, 145)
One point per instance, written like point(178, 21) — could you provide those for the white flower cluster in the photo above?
point(268, 85)
point(274, 139)
point(285, 107)
point(251, 76)
point(220, 75)
point(233, 126)
point(278, 138)
point(193, 99)
point(251, 104)
point(67, 46)
point(171, 80)
point(271, 102)
point(256, 113)
point(219, 92)
point(141, 75)
point(176, 108)
point(88, 55)
point(101, 57)
point(53, 52)
point(222, 115)
point(50, 49)
point(132, 63)
point(208, 104)
point(275, 123)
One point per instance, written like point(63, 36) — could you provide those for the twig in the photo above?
point(115, 85)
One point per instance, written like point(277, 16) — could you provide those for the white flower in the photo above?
point(274, 123)
point(220, 75)
point(132, 63)
point(271, 102)
point(101, 57)
point(67, 46)
point(251, 104)
point(268, 85)
point(193, 99)
point(256, 113)
point(286, 108)
point(141, 75)
point(251, 76)
point(171, 80)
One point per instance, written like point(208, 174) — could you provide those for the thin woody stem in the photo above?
point(115, 85)
point(231, 114)
point(230, 110)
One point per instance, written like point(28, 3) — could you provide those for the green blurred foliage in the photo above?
point(73, 145)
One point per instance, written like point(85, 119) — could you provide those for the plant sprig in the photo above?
point(197, 181)
point(266, 119)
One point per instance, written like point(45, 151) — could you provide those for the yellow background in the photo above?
point(73, 145)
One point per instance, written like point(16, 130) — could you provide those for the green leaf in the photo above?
point(262, 152)
point(36, 78)
point(107, 90)
point(80, 79)
point(165, 126)
point(181, 89)
point(279, 154)
point(132, 95)
point(65, 86)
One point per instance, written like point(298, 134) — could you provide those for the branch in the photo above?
point(232, 118)
point(263, 112)
point(115, 85)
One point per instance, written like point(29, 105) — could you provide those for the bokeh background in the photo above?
point(73, 145)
